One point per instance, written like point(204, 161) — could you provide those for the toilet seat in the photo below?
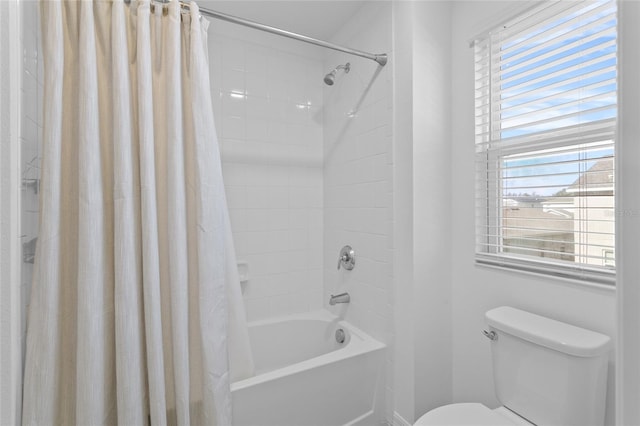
point(470, 414)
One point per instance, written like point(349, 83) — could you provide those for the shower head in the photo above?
point(330, 78)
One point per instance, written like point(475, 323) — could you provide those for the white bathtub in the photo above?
point(305, 377)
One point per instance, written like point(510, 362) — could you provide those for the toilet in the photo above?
point(545, 372)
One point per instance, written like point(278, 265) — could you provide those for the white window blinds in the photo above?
point(546, 106)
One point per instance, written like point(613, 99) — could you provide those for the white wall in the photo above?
point(423, 222)
point(628, 217)
point(476, 289)
point(432, 218)
point(268, 108)
point(404, 353)
point(358, 182)
point(10, 259)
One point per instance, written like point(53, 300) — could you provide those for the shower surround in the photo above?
point(358, 180)
point(268, 106)
point(308, 168)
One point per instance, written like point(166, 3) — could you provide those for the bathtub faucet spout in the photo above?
point(339, 298)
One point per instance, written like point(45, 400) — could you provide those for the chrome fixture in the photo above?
point(340, 335)
point(330, 78)
point(339, 298)
point(491, 335)
point(347, 258)
point(380, 58)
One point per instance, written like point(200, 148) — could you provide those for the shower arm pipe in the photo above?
point(381, 58)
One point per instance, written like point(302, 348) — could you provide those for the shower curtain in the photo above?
point(136, 315)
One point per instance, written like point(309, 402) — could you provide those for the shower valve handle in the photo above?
point(347, 258)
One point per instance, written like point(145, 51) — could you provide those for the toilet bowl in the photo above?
point(470, 414)
point(545, 371)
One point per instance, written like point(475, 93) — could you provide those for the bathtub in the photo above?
point(305, 377)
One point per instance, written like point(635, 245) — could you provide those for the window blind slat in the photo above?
point(522, 71)
point(602, 63)
point(568, 94)
point(538, 52)
point(547, 253)
point(521, 231)
point(573, 207)
point(608, 75)
point(575, 173)
point(530, 36)
point(561, 219)
point(530, 24)
point(559, 118)
point(574, 245)
point(594, 131)
point(610, 97)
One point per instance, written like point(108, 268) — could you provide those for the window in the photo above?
point(546, 107)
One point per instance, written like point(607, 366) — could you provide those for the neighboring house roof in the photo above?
point(598, 180)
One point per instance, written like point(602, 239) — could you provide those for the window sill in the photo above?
point(602, 280)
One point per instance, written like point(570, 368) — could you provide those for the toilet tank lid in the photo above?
point(550, 333)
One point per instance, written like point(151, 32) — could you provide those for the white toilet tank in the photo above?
point(548, 372)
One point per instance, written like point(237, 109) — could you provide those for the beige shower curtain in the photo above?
point(136, 310)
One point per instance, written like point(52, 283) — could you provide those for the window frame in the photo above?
point(490, 252)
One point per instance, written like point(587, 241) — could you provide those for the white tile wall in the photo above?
point(268, 108)
point(358, 186)
point(30, 136)
point(358, 178)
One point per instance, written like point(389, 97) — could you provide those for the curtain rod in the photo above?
point(381, 58)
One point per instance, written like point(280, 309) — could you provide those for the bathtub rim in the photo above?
point(363, 343)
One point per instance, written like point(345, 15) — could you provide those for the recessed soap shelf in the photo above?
point(243, 271)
